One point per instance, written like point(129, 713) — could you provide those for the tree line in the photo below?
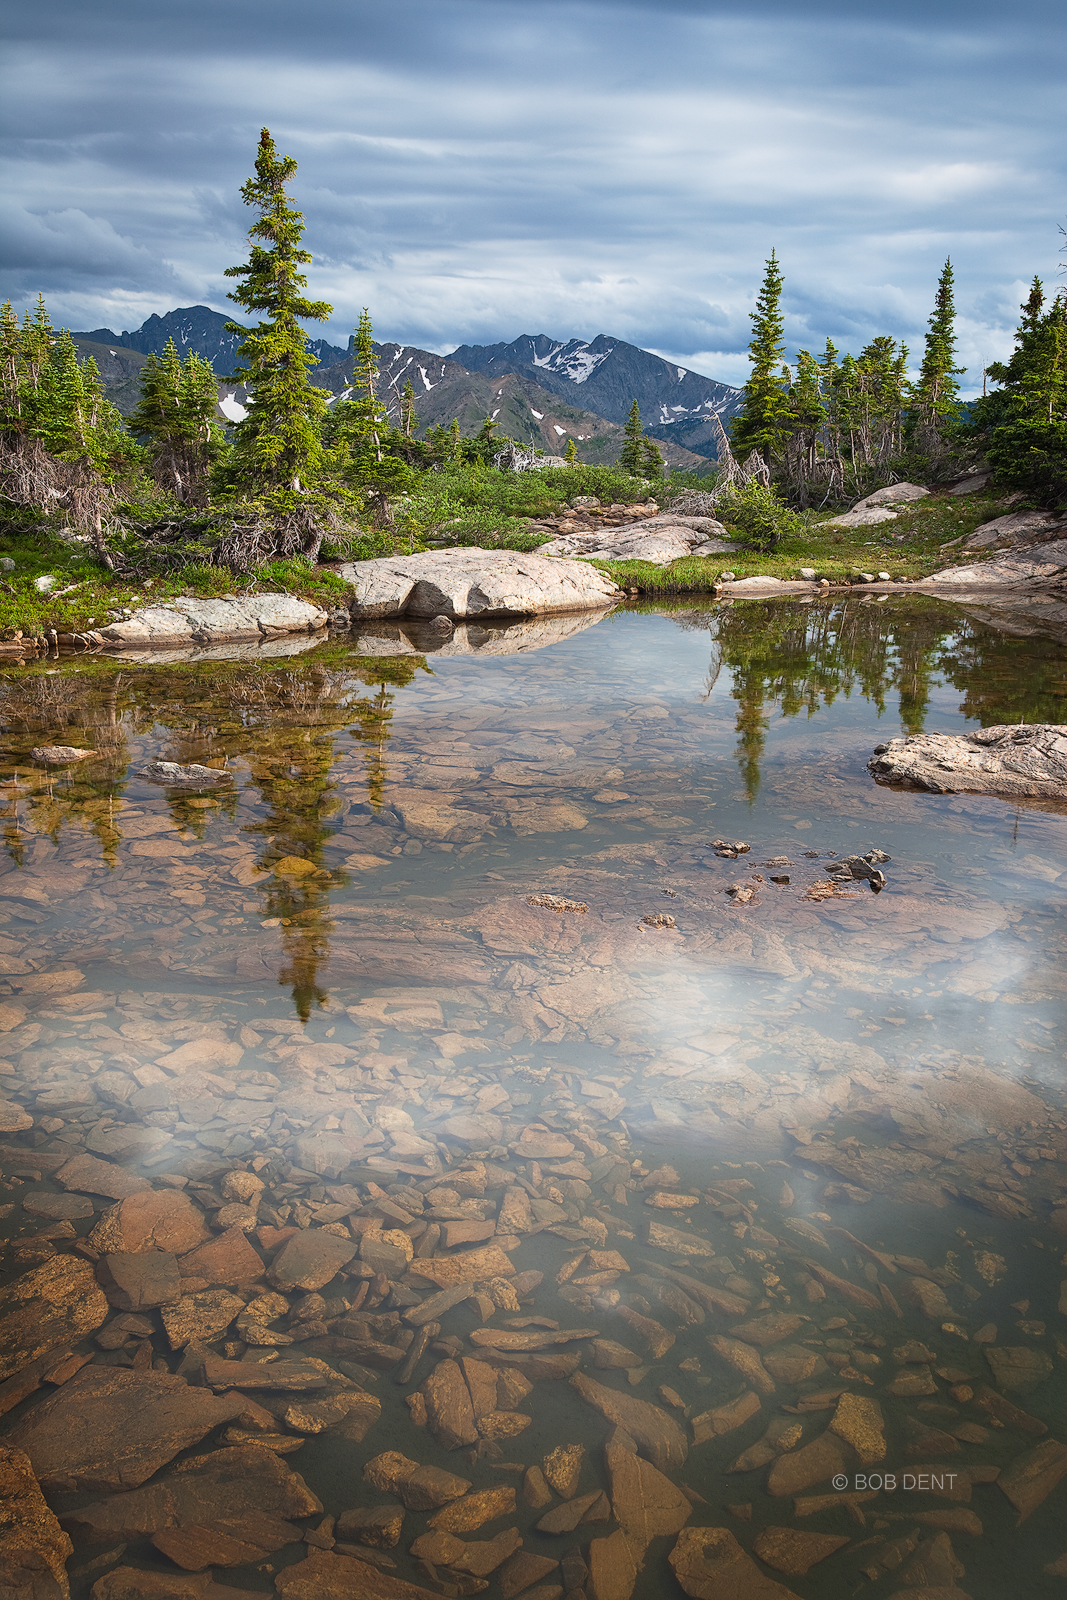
point(830, 428)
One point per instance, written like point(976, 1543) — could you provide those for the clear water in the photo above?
point(896, 1059)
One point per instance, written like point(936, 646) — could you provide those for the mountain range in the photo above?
point(539, 390)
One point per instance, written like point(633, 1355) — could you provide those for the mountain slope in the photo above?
point(522, 409)
point(606, 375)
point(196, 330)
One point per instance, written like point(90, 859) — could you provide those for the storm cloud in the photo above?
point(486, 168)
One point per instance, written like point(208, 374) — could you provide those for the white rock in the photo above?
point(45, 583)
point(863, 517)
point(194, 621)
point(1014, 529)
point(755, 583)
point(885, 577)
point(1030, 565)
point(808, 572)
point(177, 776)
point(895, 494)
point(470, 582)
point(1024, 759)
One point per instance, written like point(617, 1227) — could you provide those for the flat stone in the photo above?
point(814, 1463)
point(768, 1330)
point(794, 1552)
point(608, 1354)
point(859, 1422)
point(724, 1419)
point(356, 1409)
point(677, 1241)
point(50, 1307)
point(134, 1583)
point(57, 1207)
point(612, 1570)
point(656, 1433)
point(473, 1511)
point(13, 1119)
point(157, 1219)
point(203, 1316)
point(112, 1427)
point(467, 1232)
point(379, 1527)
point(474, 1129)
point(284, 1376)
point(537, 1144)
point(482, 1556)
point(468, 1266)
point(324, 1575)
point(242, 1493)
point(562, 1468)
point(744, 1360)
point(190, 620)
point(439, 1549)
point(566, 1517)
point(381, 1253)
point(503, 1424)
point(433, 1308)
point(310, 1259)
point(1018, 1368)
point(656, 1339)
point(1030, 1478)
point(510, 1339)
point(193, 776)
point(470, 582)
point(449, 1412)
point(1007, 759)
point(711, 1565)
point(645, 1502)
point(1016, 528)
point(138, 1280)
point(521, 1570)
point(228, 1259)
point(791, 1363)
point(33, 1547)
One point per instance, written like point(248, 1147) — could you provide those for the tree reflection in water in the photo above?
point(374, 715)
point(792, 658)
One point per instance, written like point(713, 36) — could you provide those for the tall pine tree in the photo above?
point(632, 454)
point(278, 446)
point(176, 418)
point(763, 423)
point(935, 409)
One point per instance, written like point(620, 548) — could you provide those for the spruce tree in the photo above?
point(763, 422)
point(278, 446)
point(935, 399)
point(176, 417)
point(570, 455)
point(651, 460)
point(1028, 414)
point(632, 454)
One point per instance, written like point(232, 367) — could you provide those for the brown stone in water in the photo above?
point(112, 1427)
point(859, 1422)
point(139, 1280)
point(473, 1511)
point(841, 1286)
point(420, 1488)
point(204, 1316)
point(90, 1175)
point(324, 1575)
point(645, 1503)
point(563, 1467)
point(48, 1309)
point(228, 1259)
point(134, 1583)
point(655, 1336)
point(744, 1360)
point(811, 1504)
point(608, 1355)
point(468, 1232)
point(379, 1527)
point(482, 1556)
point(503, 1424)
point(509, 1339)
point(802, 1469)
point(711, 1565)
point(310, 1259)
point(1030, 1478)
point(522, 1570)
point(1018, 1367)
point(612, 1570)
point(732, 1305)
point(790, 1551)
point(285, 1376)
point(483, 1383)
point(791, 1363)
point(724, 1419)
point(158, 1219)
point(908, 1385)
point(677, 1241)
point(656, 1433)
point(768, 1330)
point(449, 1412)
point(33, 1547)
point(355, 1409)
point(1012, 1417)
point(439, 1549)
point(434, 1307)
point(566, 1517)
point(469, 1266)
point(537, 1144)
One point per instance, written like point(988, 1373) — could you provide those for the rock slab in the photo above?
point(33, 1547)
point(1015, 759)
point(54, 1305)
point(472, 582)
point(193, 621)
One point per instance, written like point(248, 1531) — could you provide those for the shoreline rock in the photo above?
point(1025, 760)
point(471, 582)
point(193, 621)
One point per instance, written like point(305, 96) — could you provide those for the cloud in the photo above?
point(481, 170)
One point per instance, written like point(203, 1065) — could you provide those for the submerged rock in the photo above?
point(33, 1547)
point(1018, 760)
point(710, 1565)
point(60, 755)
point(50, 1307)
point(194, 776)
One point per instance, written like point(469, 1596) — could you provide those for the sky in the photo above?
point(481, 169)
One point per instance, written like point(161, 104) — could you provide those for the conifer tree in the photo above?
point(176, 416)
point(651, 460)
point(1028, 445)
point(632, 454)
point(763, 421)
point(935, 398)
point(570, 455)
point(278, 445)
